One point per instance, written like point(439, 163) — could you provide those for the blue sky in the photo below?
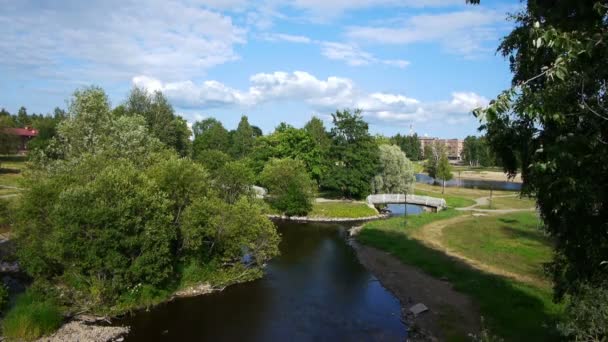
point(424, 63)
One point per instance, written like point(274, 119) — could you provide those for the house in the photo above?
point(454, 146)
point(25, 135)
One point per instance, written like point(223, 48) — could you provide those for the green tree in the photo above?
point(9, 143)
point(553, 124)
point(23, 119)
point(210, 134)
point(242, 139)
point(212, 160)
point(444, 170)
point(160, 117)
point(354, 155)
point(234, 180)
point(317, 131)
point(433, 154)
point(289, 186)
point(396, 174)
point(410, 144)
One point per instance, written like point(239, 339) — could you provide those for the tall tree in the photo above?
point(8, 142)
point(160, 117)
point(354, 154)
point(243, 139)
point(23, 118)
point(210, 134)
point(444, 170)
point(410, 144)
point(553, 122)
point(433, 154)
point(396, 174)
point(316, 129)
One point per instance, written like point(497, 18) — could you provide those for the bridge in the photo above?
point(435, 203)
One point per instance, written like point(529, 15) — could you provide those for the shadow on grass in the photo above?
point(526, 235)
point(9, 171)
point(514, 311)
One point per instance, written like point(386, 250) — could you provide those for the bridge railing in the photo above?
point(411, 199)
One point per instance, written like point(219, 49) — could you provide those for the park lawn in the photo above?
point(512, 242)
point(457, 168)
point(10, 170)
point(451, 200)
point(10, 179)
point(515, 202)
point(511, 309)
point(461, 192)
point(341, 210)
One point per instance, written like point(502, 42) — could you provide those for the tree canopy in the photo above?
point(396, 174)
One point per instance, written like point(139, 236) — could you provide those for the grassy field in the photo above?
point(513, 310)
point(510, 203)
point(511, 242)
point(341, 210)
point(460, 192)
point(451, 200)
point(10, 171)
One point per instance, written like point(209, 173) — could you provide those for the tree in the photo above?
point(410, 144)
point(210, 134)
point(289, 142)
point(433, 154)
point(23, 120)
point(553, 124)
point(317, 131)
point(289, 186)
point(444, 170)
point(242, 139)
point(9, 143)
point(354, 155)
point(396, 174)
point(160, 117)
point(234, 180)
point(476, 152)
point(212, 160)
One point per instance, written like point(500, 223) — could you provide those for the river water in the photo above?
point(470, 183)
point(315, 290)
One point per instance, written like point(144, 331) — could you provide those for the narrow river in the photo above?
point(315, 290)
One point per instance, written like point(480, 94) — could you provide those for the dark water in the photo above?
point(316, 290)
point(471, 183)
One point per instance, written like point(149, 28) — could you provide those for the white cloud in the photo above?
point(462, 32)
point(321, 95)
point(330, 8)
point(275, 37)
point(116, 39)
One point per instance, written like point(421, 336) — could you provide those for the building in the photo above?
point(454, 146)
point(25, 135)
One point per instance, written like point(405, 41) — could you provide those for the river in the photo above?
point(315, 290)
point(470, 183)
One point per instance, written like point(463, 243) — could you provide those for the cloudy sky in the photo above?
point(420, 63)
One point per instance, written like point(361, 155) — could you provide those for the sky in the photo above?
point(419, 65)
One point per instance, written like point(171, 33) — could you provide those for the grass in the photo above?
point(10, 171)
point(460, 192)
point(510, 203)
point(477, 168)
point(513, 310)
point(31, 317)
point(341, 210)
point(511, 242)
point(451, 200)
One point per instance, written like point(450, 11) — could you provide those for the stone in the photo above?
point(418, 309)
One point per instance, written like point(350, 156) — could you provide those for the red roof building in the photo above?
point(25, 135)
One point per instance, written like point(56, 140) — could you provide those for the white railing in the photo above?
point(410, 199)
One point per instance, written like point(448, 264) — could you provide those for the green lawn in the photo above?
point(513, 310)
point(10, 168)
point(510, 203)
point(341, 210)
point(513, 242)
point(460, 192)
point(451, 200)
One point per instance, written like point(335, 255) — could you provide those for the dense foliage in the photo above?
point(355, 156)
point(110, 210)
point(477, 152)
point(409, 144)
point(396, 174)
point(553, 123)
point(289, 186)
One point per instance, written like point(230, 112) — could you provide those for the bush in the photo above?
point(31, 317)
point(586, 316)
point(289, 186)
point(3, 297)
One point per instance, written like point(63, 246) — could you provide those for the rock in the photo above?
point(194, 290)
point(418, 309)
point(82, 332)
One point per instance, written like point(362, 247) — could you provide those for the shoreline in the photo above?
point(410, 286)
point(327, 219)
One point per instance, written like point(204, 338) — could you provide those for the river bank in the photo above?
point(412, 286)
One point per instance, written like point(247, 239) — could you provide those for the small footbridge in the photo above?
point(433, 203)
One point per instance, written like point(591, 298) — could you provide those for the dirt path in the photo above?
point(432, 234)
point(411, 286)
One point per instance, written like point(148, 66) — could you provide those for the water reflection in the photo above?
point(316, 290)
point(471, 183)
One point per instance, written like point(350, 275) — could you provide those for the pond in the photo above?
point(470, 183)
point(315, 290)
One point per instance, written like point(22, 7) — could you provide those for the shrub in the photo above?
point(31, 317)
point(586, 317)
point(289, 186)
